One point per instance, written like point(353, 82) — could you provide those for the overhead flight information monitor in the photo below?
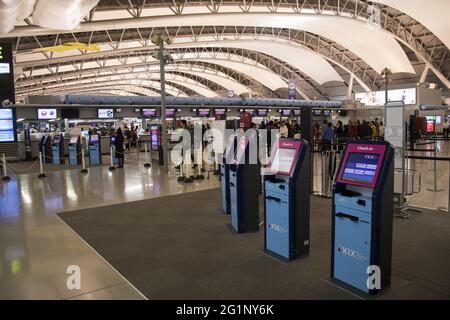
point(362, 216)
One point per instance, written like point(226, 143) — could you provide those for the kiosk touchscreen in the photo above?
point(112, 142)
point(362, 217)
point(75, 151)
point(245, 178)
point(45, 147)
point(58, 149)
point(286, 203)
point(95, 154)
point(225, 173)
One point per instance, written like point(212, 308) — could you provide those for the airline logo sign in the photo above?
point(350, 253)
point(276, 227)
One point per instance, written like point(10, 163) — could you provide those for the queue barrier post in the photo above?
point(83, 162)
point(41, 166)
point(111, 157)
point(147, 161)
point(5, 176)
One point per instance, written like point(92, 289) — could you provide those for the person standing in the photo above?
point(446, 128)
point(284, 130)
point(328, 136)
point(118, 143)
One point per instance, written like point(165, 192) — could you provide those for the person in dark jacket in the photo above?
point(118, 143)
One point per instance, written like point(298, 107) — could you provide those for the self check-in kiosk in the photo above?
point(245, 175)
point(112, 141)
point(45, 147)
point(75, 151)
point(362, 217)
point(58, 149)
point(225, 173)
point(286, 203)
point(95, 154)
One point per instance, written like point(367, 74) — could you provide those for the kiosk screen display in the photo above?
point(6, 125)
point(74, 140)
point(57, 140)
point(361, 167)
point(240, 152)
point(94, 138)
point(283, 160)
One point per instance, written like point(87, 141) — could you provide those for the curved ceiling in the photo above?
point(303, 59)
point(347, 27)
point(432, 14)
point(353, 34)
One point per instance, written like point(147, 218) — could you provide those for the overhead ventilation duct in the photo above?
point(61, 14)
point(13, 11)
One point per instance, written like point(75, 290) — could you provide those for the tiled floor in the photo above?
point(36, 247)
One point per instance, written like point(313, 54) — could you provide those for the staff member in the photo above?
point(118, 143)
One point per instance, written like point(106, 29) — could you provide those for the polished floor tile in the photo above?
point(36, 247)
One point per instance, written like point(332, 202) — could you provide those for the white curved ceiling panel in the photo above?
point(432, 14)
point(310, 63)
point(185, 82)
point(374, 45)
point(224, 82)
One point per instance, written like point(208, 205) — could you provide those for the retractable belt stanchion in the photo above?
point(181, 165)
point(41, 167)
point(5, 169)
point(199, 175)
point(147, 161)
point(83, 161)
point(112, 167)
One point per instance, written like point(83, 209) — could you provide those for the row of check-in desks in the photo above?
point(361, 215)
point(36, 138)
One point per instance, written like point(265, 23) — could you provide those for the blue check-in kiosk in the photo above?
point(225, 173)
point(95, 154)
point(75, 151)
point(58, 149)
point(112, 141)
point(45, 147)
point(362, 217)
point(245, 175)
point(286, 204)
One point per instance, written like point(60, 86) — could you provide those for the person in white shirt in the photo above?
point(284, 131)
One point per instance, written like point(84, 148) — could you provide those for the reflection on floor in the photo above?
point(36, 247)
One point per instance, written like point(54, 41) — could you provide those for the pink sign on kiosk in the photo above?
point(284, 156)
point(362, 163)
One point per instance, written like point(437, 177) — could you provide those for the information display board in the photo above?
point(105, 113)
point(262, 112)
point(203, 112)
point(7, 87)
point(170, 113)
point(7, 131)
point(149, 113)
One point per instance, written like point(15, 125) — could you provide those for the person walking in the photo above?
point(118, 143)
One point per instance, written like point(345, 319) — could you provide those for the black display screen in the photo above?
point(70, 113)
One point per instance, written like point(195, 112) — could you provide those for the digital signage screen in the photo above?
point(378, 98)
point(149, 113)
point(262, 112)
point(105, 113)
point(297, 113)
point(70, 113)
point(326, 113)
point(285, 113)
point(47, 113)
point(170, 113)
point(317, 113)
point(7, 133)
point(203, 112)
point(361, 167)
point(220, 112)
point(251, 111)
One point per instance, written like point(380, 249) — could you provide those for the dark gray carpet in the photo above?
point(178, 247)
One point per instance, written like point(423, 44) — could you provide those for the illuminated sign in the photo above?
point(377, 98)
point(7, 125)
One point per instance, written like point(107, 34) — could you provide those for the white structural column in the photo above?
point(424, 73)
point(350, 86)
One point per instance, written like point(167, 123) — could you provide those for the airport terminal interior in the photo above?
point(217, 150)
